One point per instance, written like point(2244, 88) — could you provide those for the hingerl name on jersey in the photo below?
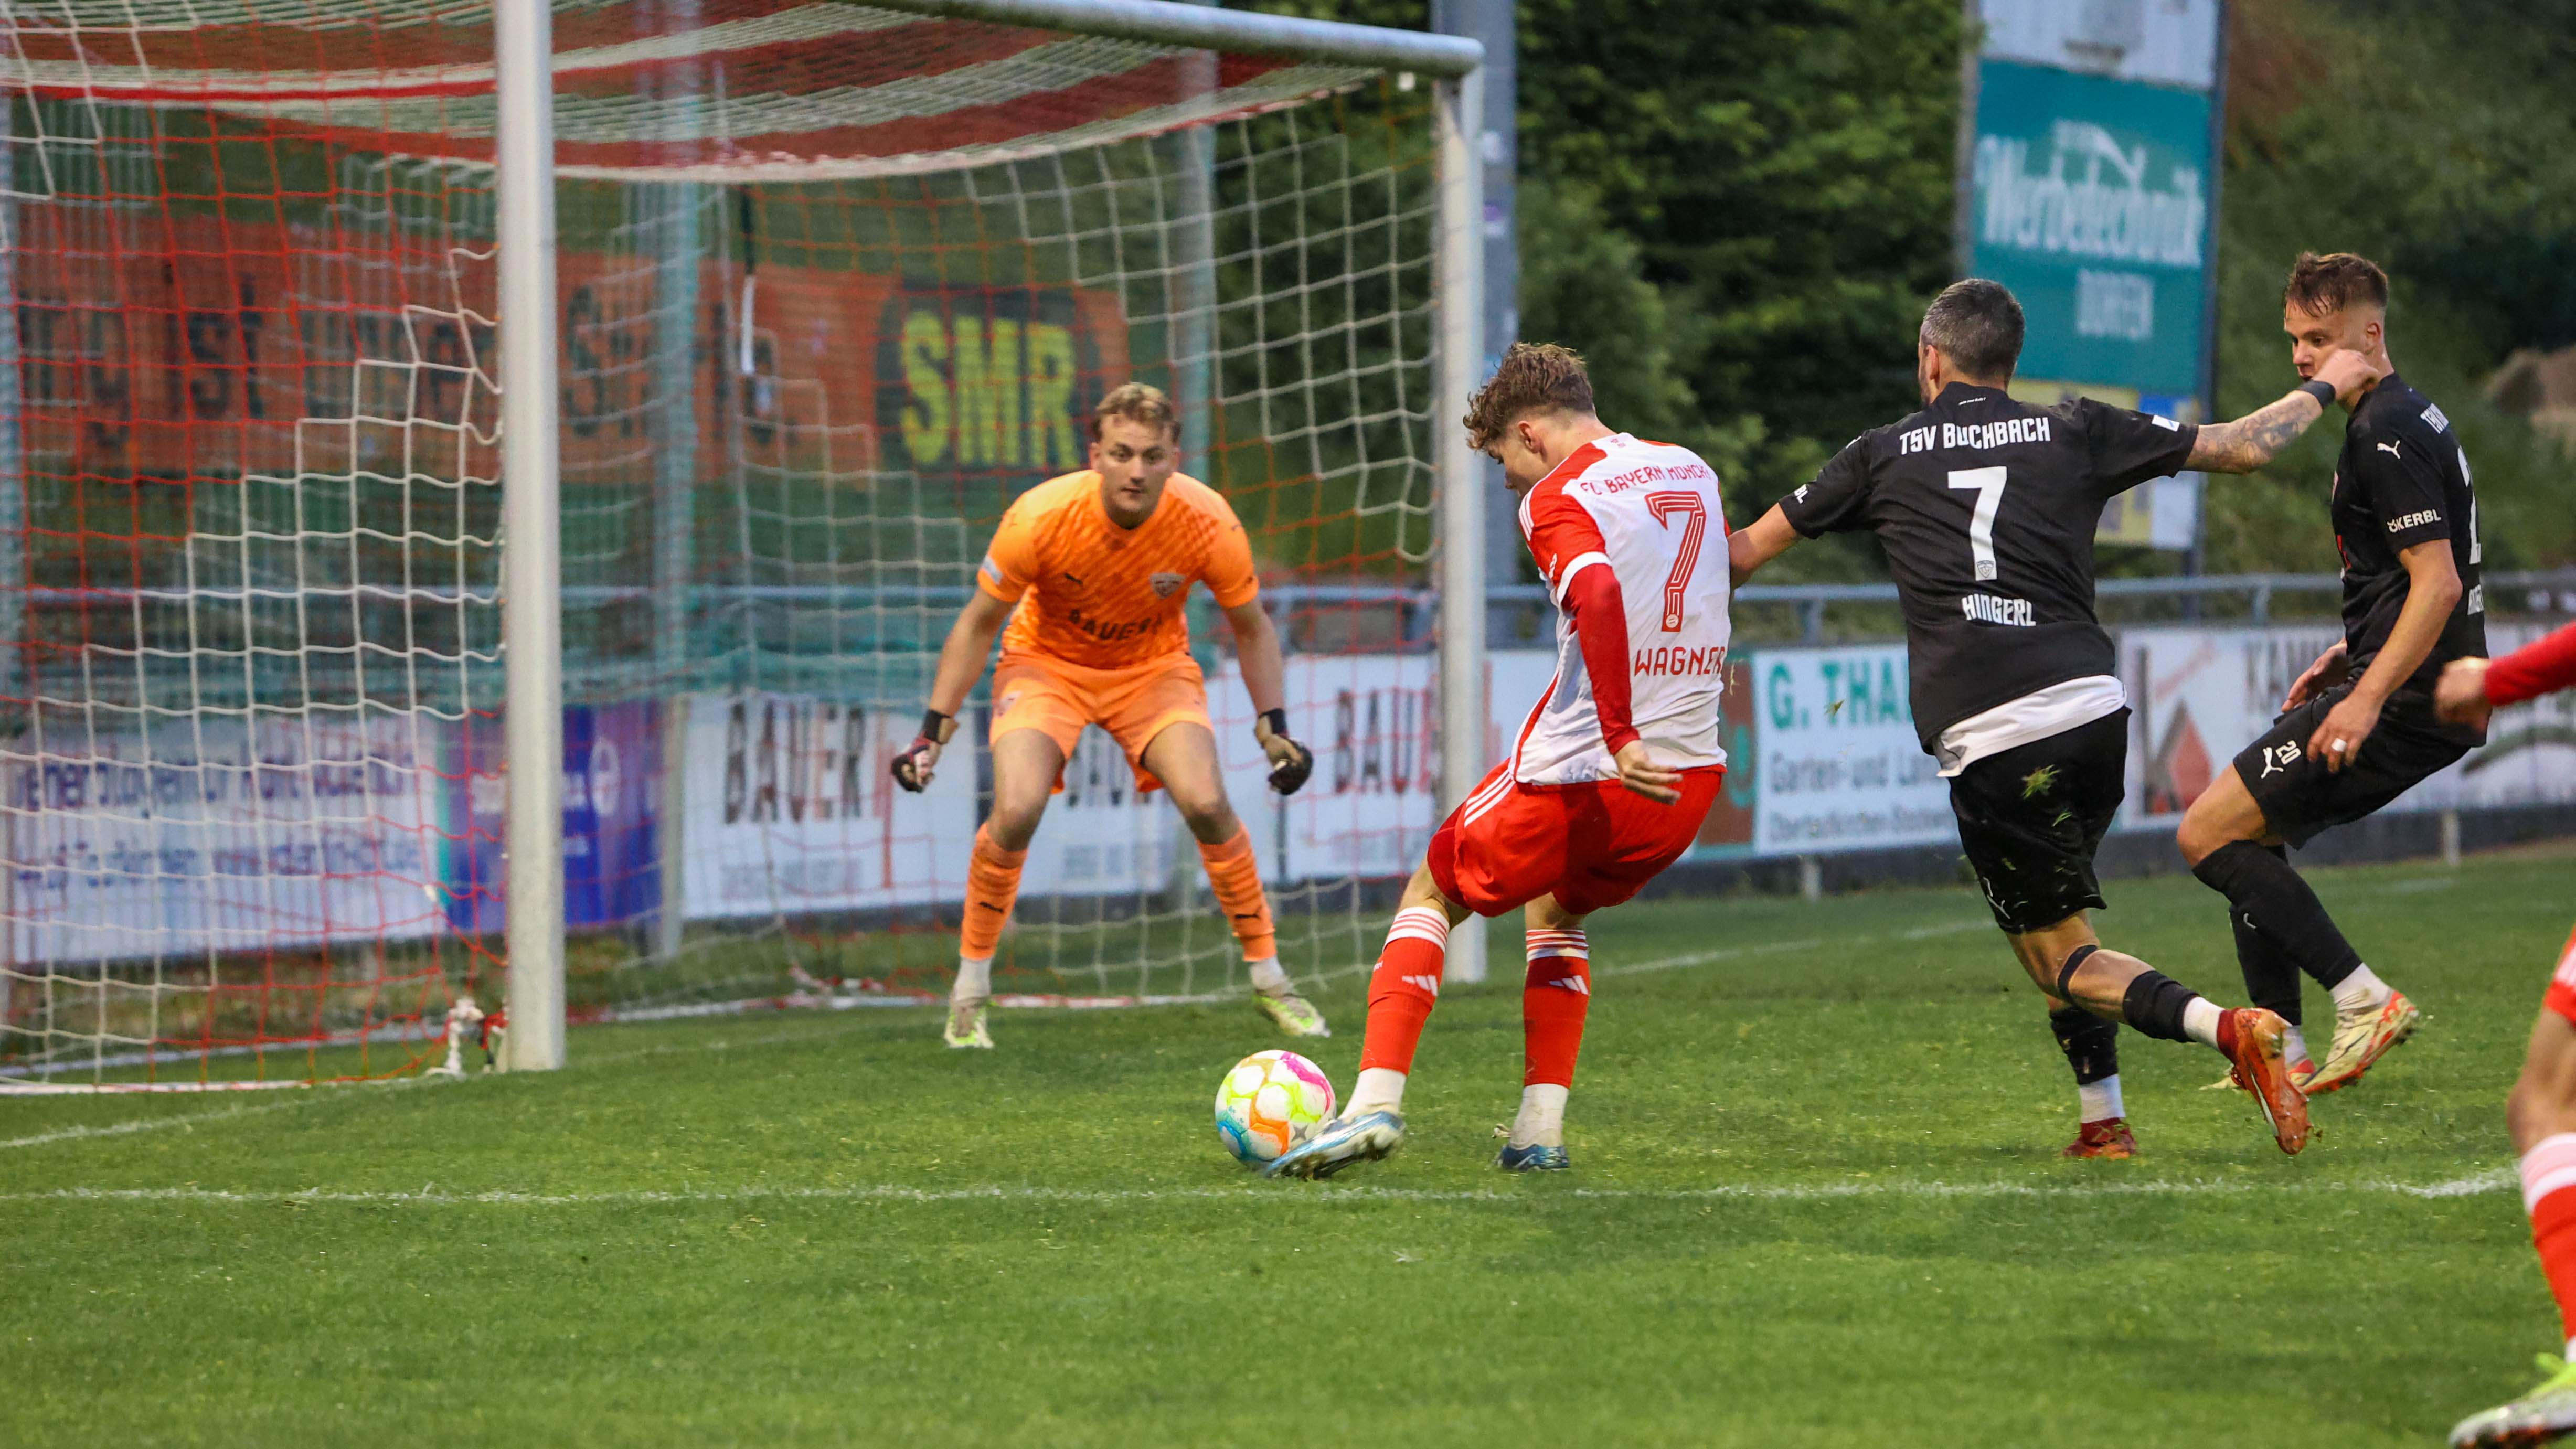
point(1988, 609)
point(2001, 433)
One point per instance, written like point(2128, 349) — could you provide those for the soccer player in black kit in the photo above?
point(2358, 729)
point(1987, 508)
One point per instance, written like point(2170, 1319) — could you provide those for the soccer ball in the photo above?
point(1268, 1103)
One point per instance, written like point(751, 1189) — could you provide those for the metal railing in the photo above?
point(1413, 609)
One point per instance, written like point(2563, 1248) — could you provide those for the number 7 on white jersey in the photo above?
point(1663, 506)
point(1989, 483)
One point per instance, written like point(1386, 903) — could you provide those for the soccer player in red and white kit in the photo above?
point(2541, 1111)
point(1610, 776)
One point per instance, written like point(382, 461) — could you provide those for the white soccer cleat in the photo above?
point(1292, 1014)
point(1341, 1143)
point(966, 1026)
point(2361, 1038)
point(2543, 1416)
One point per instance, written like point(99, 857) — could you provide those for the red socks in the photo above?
point(2549, 1195)
point(1554, 996)
point(1404, 987)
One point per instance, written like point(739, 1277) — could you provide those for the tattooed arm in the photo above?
point(2258, 437)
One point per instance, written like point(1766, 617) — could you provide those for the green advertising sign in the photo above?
point(2092, 202)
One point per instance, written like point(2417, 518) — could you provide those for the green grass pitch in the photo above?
point(1816, 1201)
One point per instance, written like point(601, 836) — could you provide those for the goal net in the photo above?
point(835, 283)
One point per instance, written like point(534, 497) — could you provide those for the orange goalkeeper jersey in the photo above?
point(1102, 597)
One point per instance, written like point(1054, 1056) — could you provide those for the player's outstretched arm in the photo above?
point(1751, 547)
point(1256, 647)
point(961, 663)
point(2258, 437)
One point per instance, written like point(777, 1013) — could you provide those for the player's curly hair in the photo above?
point(2330, 283)
point(1534, 377)
point(1137, 402)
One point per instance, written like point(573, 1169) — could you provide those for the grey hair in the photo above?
point(1978, 325)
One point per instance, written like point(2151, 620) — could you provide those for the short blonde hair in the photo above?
point(1137, 402)
point(1534, 377)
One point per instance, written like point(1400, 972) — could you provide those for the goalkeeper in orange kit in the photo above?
point(1092, 571)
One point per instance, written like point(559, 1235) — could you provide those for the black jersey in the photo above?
point(2403, 480)
point(1987, 509)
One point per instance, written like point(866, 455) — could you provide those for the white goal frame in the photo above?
point(531, 611)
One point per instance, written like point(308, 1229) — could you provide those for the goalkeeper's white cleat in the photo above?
point(966, 1026)
point(1292, 1014)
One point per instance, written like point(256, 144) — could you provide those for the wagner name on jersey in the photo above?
point(1987, 508)
point(1649, 513)
point(2403, 479)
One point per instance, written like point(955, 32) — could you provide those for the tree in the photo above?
point(1737, 212)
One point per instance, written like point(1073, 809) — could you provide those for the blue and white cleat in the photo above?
point(1537, 1157)
point(1340, 1143)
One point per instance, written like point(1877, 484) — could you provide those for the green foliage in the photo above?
point(1816, 1201)
point(1737, 212)
point(1786, 173)
point(2436, 139)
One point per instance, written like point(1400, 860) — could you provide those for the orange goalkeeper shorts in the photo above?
point(1032, 692)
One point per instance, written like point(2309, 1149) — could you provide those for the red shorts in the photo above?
point(2562, 984)
point(1591, 845)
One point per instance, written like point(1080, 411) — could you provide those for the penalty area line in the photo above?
point(2498, 1180)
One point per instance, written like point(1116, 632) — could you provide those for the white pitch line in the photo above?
point(1706, 958)
point(155, 1124)
point(2495, 1181)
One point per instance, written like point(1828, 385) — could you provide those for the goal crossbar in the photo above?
point(1167, 22)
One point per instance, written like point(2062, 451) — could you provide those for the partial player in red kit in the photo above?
point(1609, 778)
point(2541, 1111)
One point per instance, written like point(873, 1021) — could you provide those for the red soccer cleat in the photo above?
point(2251, 1037)
point(2108, 1139)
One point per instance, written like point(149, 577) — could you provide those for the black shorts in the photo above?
point(2300, 797)
point(2031, 818)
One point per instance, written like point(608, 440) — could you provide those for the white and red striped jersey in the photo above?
point(1632, 542)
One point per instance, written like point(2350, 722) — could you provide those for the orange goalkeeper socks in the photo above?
point(1236, 877)
point(992, 884)
point(2549, 1195)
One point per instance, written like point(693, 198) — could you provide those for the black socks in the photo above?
point(2271, 979)
point(2293, 925)
point(2155, 1003)
point(2092, 1045)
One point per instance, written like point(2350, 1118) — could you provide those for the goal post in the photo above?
point(1461, 555)
point(523, 185)
point(457, 563)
